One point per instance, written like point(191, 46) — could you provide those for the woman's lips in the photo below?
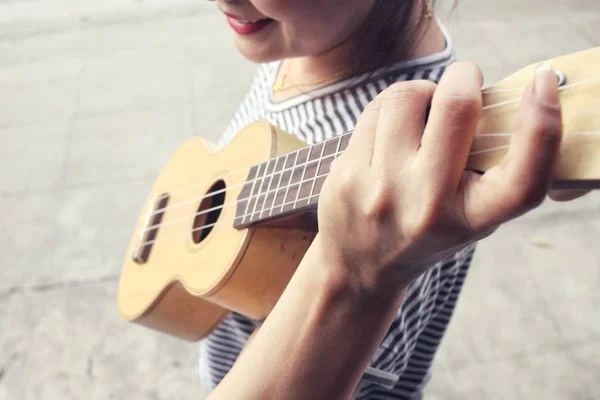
point(246, 27)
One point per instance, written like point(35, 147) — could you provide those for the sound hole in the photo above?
point(208, 212)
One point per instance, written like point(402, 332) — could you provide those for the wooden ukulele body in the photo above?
point(197, 253)
point(186, 288)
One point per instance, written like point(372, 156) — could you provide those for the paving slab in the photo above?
point(127, 144)
point(133, 78)
point(70, 344)
point(36, 163)
point(38, 92)
point(569, 372)
point(52, 239)
point(94, 98)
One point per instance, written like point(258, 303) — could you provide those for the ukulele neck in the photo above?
point(288, 184)
point(292, 182)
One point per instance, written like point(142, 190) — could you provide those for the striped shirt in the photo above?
point(401, 365)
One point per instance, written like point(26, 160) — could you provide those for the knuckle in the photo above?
point(344, 178)
point(423, 221)
point(379, 204)
point(417, 228)
point(469, 67)
point(460, 106)
point(336, 164)
point(374, 105)
point(549, 132)
point(401, 94)
point(336, 170)
point(528, 198)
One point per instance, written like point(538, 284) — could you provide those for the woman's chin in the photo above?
point(256, 54)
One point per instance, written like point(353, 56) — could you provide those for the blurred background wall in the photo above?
point(94, 98)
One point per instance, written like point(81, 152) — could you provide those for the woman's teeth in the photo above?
point(247, 26)
point(251, 22)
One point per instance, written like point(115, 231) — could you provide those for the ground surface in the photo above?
point(95, 96)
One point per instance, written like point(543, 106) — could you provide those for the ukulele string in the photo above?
point(203, 183)
point(561, 88)
point(227, 221)
point(290, 184)
point(489, 150)
point(243, 169)
point(522, 88)
point(294, 201)
point(235, 202)
point(252, 197)
point(505, 102)
point(237, 171)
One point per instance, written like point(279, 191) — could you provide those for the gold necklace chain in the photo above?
point(281, 86)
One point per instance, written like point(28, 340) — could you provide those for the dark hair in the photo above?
point(391, 25)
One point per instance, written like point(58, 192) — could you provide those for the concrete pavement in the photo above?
point(95, 96)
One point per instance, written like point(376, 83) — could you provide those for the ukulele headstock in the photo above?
point(578, 75)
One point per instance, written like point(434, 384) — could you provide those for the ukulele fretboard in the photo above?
point(287, 184)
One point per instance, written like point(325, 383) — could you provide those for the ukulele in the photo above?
point(223, 230)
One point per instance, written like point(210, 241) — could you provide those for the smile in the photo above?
point(247, 27)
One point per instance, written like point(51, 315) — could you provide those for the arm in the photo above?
point(382, 223)
point(317, 341)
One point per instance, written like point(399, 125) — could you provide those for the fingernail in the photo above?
point(546, 85)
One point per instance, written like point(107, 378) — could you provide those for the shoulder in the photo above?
point(265, 75)
point(428, 67)
point(253, 104)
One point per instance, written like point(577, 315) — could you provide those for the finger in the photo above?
point(455, 112)
point(404, 108)
point(520, 183)
point(362, 140)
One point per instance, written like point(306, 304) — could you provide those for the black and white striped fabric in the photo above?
point(401, 366)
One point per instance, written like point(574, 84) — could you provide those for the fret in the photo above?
point(345, 139)
point(267, 209)
point(308, 181)
point(287, 183)
point(280, 168)
point(330, 152)
point(319, 182)
point(244, 197)
point(339, 146)
point(332, 148)
point(262, 193)
point(303, 185)
point(319, 165)
point(255, 191)
point(297, 174)
point(288, 170)
point(250, 184)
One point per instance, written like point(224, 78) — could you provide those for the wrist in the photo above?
point(354, 279)
point(319, 337)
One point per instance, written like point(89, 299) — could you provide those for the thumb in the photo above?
point(521, 182)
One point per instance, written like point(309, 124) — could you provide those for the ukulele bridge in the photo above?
point(147, 236)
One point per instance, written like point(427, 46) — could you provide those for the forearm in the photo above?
point(317, 341)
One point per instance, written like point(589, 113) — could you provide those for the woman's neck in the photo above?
point(303, 74)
